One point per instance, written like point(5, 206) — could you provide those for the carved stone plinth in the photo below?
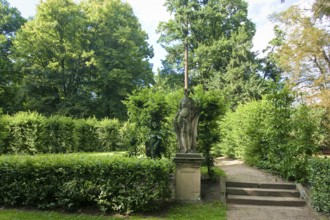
point(188, 176)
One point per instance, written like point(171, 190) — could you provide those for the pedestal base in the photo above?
point(188, 176)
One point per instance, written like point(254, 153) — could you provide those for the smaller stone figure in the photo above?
point(185, 125)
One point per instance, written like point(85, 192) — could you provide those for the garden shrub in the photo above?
point(303, 139)
point(130, 139)
point(32, 133)
point(149, 111)
point(272, 134)
point(59, 135)
point(109, 135)
point(212, 106)
point(25, 133)
point(3, 133)
point(87, 135)
point(152, 111)
point(319, 180)
point(114, 184)
point(243, 132)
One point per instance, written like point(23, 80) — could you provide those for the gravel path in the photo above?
point(237, 171)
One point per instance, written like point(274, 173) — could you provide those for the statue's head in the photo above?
point(186, 102)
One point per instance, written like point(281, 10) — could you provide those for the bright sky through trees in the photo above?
point(151, 12)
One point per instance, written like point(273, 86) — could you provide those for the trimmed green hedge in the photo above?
point(3, 133)
point(87, 135)
point(59, 135)
point(319, 179)
point(278, 138)
point(113, 184)
point(32, 133)
point(25, 131)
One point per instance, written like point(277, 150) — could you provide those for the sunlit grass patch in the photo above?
point(209, 211)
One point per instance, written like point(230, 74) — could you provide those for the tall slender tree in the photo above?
point(220, 40)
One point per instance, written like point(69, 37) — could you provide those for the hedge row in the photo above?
point(319, 179)
point(32, 133)
point(112, 184)
point(275, 135)
point(276, 138)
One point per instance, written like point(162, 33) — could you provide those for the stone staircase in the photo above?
point(272, 194)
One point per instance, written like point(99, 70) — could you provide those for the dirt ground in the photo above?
point(237, 171)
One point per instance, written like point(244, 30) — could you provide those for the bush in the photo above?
point(87, 135)
point(59, 135)
point(32, 133)
point(25, 133)
point(213, 107)
point(109, 135)
point(149, 111)
point(3, 133)
point(114, 184)
point(272, 134)
point(319, 179)
point(244, 132)
point(130, 139)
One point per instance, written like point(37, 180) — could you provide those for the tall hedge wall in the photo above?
point(114, 184)
point(32, 133)
point(277, 138)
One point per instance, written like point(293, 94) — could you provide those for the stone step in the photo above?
point(265, 200)
point(263, 192)
point(261, 185)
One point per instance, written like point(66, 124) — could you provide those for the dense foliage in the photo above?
point(219, 35)
point(58, 135)
point(213, 106)
point(152, 112)
point(10, 21)
point(80, 59)
point(149, 110)
point(3, 132)
point(303, 53)
point(112, 184)
point(319, 180)
point(32, 133)
point(272, 134)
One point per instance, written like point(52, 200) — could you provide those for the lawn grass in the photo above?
point(13, 214)
point(207, 211)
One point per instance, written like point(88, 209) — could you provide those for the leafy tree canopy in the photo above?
point(82, 59)
point(304, 53)
point(10, 21)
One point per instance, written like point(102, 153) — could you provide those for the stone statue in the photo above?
point(185, 125)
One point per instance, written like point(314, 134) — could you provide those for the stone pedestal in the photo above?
point(188, 176)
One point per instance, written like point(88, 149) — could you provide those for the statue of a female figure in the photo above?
point(185, 124)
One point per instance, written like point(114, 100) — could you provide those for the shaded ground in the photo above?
point(237, 171)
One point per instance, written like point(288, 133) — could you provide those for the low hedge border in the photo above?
point(112, 184)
